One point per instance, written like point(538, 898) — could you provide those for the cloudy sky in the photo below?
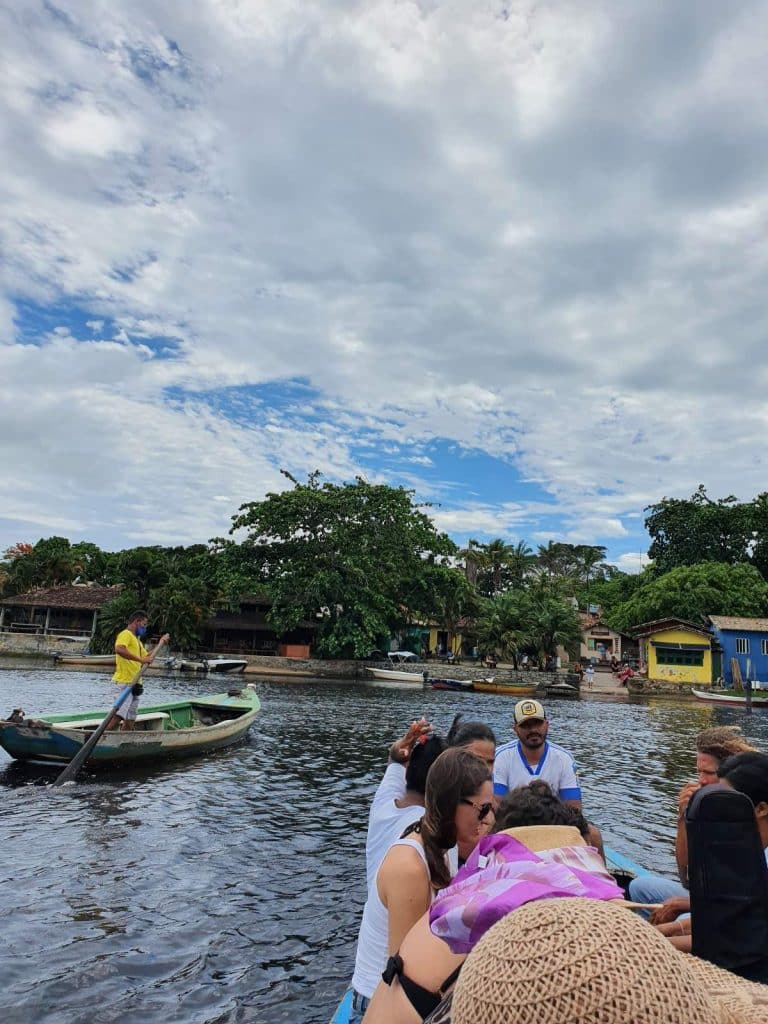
point(509, 254)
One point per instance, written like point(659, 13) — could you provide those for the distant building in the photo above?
point(744, 641)
point(71, 610)
point(601, 642)
point(677, 651)
point(248, 631)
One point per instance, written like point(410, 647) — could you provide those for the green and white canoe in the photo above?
point(180, 729)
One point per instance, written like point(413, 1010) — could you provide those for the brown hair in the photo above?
point(536, 804)
point(722, 741)
point(456, 775)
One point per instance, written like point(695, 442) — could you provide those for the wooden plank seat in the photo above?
point(151, 720)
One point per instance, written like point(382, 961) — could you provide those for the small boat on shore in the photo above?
point(106, 660)
point(398, 678)
point(457, 685)
point(179, 729)
point(561, 691)
point(228, 666)
point(517, 690)
point(729, 697)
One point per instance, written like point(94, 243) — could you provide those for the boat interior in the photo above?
point(185, 716)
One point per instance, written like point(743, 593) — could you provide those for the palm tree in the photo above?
point(473, 556)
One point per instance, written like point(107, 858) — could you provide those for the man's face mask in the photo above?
point(141, 631)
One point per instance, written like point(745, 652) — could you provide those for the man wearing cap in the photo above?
point(531, 756)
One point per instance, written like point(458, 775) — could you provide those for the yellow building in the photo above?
point(676, 651)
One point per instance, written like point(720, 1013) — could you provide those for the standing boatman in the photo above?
point(130, 653)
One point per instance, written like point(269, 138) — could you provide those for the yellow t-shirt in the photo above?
point(125, 670)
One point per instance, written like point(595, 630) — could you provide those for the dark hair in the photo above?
point(536, 804)
point(722, 742)
point(747, 773)
point(456, 775)
point(423, 756)
point(461, 734)
point(137, 615)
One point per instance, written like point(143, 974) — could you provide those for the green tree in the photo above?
point(691, 592)
point(340, 555)
point(685, 531)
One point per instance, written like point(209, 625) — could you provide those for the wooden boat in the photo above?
point(562, 691)
point(178, 729)
point(457, 685)
point(399, 678)
point(507, 689)
point(622, 868)
point(228, 666)
point(729, 697)
point(278, 671)
point(107, 660)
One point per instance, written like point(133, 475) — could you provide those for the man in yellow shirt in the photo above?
point(130, 653)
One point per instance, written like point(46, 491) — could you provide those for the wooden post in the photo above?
point(93, 624)
point(748, 692)
point(47, 620)
point(2, 615)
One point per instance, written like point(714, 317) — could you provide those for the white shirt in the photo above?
point(386, 821)
point(556, 767)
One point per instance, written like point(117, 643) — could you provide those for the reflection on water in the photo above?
point(229, 888)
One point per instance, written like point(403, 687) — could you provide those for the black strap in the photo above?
point(421, 999)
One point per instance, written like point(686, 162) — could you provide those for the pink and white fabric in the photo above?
point(502, 874)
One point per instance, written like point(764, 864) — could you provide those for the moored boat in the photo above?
point(507, 689)
point(729, 697)
point(395, 678)
point(460, 685)
point(106, 660)
point(227, 666)
point(562, 691)
point(178, 729)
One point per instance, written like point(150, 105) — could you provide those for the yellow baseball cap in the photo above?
point(525, 710)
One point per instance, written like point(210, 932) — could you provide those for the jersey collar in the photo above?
point(542, 759)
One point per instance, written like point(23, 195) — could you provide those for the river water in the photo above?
point(229, 888)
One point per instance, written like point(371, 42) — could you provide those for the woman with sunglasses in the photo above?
point(427, 968)
point(458, 809)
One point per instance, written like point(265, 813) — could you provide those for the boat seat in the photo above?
point(154, 721)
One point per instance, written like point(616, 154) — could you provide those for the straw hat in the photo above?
point(579, 961)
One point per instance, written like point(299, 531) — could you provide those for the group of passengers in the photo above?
point(463, 833)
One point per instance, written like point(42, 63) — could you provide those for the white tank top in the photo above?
point(372, 939)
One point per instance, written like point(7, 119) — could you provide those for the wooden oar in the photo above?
point(84, 752)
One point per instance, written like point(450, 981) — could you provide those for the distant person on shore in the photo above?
point(130, 654)
point(590, 675)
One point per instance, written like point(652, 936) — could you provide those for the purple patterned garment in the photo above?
point(501, 875)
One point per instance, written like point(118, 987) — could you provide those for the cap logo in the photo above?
point(528, 708)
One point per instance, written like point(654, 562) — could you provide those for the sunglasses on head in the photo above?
point(483, 810)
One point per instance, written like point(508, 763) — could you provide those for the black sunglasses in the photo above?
point(483, 810)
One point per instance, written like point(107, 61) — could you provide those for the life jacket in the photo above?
point(728, 881)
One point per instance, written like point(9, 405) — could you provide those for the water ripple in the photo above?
point(228, 889)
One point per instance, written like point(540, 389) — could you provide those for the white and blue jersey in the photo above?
point(556, 767)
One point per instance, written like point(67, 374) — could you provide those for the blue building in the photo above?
point(744, 641)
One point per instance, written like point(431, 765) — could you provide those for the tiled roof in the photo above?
point(87, 596)
point(645, 628)
point(738, 622)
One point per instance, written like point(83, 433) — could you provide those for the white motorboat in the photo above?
point(398, 678)
point(228, 666)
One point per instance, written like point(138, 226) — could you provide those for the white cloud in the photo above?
point(536, 231)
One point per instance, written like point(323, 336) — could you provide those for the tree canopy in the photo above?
point(691, 592)
point(343, 557)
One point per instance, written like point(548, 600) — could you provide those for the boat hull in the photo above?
point(732, 699)
point(394, 678)
point(53, 742)
point(85, 659)
point(455, 685)
point(505, 689)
